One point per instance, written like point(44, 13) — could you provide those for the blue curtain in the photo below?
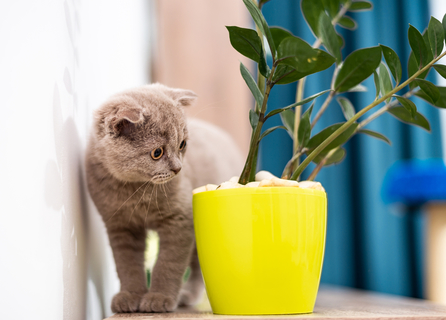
point(369, 245)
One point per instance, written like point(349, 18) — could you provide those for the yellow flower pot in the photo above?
point(261, 249)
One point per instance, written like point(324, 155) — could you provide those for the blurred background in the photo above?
point(61, 59)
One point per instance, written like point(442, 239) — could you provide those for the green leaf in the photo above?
point(408, 104)
point(252, 85)
point(430, 57)
point(297, 53)
point(304, 130)
point(360, 6)
point(444, 24)
point(441, 102)
point(286, 74)
point(347, 107)
point(287, 117)
point(377, 84)
point(263, 66)
point(300, 103)
point(347, 23)
point(279, 34)
point(358, 88)
point(441, 69)
point(328, 36)
point(357, 67)
point(375, 135)
point(384, 81)
point(253, 119)
point(412, 68)
point(311, 10)
point(335, 158)
point(260, 22)
point(429, 89)
point(268, 131)
point(403, 115)
point(393, 62)
point(331, 6)
point(418, 46)
point(436, 36)
point(316, 140)
point(246, 41)
point(341, 41)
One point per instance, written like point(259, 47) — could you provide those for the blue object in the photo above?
point(368, 246)
point(414, 182)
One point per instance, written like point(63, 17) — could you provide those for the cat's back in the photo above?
point(212, 156)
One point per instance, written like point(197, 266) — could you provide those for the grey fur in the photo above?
point(134, 193)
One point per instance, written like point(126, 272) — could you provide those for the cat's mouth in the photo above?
point(163, 178)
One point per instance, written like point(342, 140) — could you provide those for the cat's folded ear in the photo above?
point(125, 121)
point(184, 97)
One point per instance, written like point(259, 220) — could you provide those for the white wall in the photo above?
point(438, 10)
point(58, 61)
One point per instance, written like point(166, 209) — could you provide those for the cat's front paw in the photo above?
point(157, 302)
point(125, 301)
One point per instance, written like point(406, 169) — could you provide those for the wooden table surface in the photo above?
point(332, 303)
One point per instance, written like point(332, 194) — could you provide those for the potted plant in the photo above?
point(261, 245)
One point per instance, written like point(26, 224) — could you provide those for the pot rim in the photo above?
point(258, 191)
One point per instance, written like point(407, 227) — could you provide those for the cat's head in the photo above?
point(141, 134)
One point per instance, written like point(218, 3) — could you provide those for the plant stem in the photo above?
point(346, 125)
point(295, 160)
point(323, 108)
point(254, 145)
point(289, 166)
point(317, 44)
point(382, 110)
point(299, 94)
point(261, 85)
point(252, 175)
point(298, 112)
point(361, 125)
point(335, 20)
point(260, 77)
point(321, 164)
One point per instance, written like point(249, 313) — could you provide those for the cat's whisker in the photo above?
point(148, 206)
point(136, 205)
point(156, 200)
point(167, 198)
point(167, 205)
point(126, 201)
point(156, 197)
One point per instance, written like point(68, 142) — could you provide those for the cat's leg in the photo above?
point(176, 243)
point(192, 291)
point(128, 250)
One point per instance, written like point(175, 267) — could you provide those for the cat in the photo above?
point(142, 162)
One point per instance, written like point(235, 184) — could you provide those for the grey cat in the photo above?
point(141, 177)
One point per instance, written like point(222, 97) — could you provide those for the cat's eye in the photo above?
point(157, 153)
point(183, 144)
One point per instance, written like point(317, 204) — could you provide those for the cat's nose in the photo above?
point(176, 170)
